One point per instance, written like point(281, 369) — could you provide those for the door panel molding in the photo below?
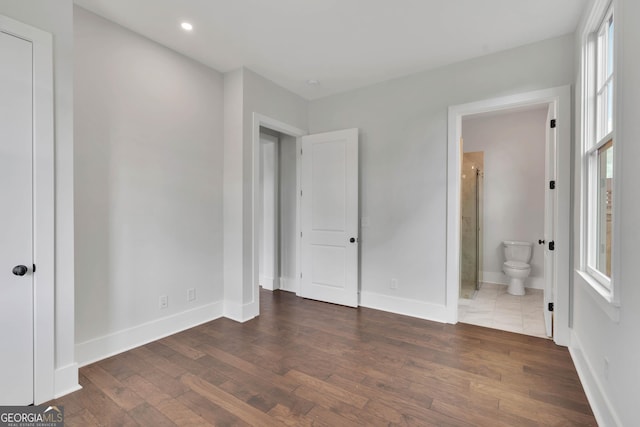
point(43, 201)
point(329, 217)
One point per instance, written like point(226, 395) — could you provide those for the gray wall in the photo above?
point(514, 185)
point(57, 19)
point(233, 187)
point(264, 97)
point(403, 160)
point(288, 208)
point(148, 161)
point(597, 333)
point(246, 93)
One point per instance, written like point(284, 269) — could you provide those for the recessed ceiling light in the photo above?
point(186, 26)
point(312, 82)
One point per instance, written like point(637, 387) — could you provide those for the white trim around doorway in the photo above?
point(260, 120)
point(561, 97)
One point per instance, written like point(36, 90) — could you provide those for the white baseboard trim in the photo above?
point(270, 283)
point(66, 380)
point(109, 345)
point(493, 277)
point(534, 283)
point(241, 312)
point(407, 307)
point(600, 404)
point(266, 282)
point(500, 278)
point(288, 284)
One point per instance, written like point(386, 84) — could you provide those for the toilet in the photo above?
point(516, 266)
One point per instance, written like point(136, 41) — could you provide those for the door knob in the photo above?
point(20, 270)
point(541, 242)
point(352, 240)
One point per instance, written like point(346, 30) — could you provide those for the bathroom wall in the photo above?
point(514, 185)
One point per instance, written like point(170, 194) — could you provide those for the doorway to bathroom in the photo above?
point(523, 196)
point(507, 209)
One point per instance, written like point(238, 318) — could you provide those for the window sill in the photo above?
point(601, 296)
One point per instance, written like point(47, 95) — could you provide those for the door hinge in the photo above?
point(552, 185)
point(301, 151)
point(550, 306)
point(552, 245)
point(34, 268)
point(301, 234)
point(552, 123)
point(300, 193)
point(301, 274)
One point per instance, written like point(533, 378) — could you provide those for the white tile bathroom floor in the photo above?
point(494, 308)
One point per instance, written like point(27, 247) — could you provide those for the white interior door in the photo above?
point(329, 217)
point(549, 222)
point(16, 223)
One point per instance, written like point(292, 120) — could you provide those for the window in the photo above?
point(599, 151)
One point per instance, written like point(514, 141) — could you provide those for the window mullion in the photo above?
point(602, 88)
point(600, 143)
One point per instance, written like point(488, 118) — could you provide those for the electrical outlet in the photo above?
point(191, 294)
point(394, 284)
point(164, 301)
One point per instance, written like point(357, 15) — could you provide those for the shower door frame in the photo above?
point(477, 274)
point(479, 229)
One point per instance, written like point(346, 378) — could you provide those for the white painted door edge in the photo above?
point(43, 224)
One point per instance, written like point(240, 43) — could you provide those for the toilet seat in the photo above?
point(516, 265)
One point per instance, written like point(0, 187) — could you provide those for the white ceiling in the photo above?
point(344, 44)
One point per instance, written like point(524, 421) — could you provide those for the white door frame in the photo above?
point(269, 282)
point(43, 214)
point(561, 97)
point(260, 120)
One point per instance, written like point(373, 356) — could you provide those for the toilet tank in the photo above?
point(517, 251)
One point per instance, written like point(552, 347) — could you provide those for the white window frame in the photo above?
point(600, 14)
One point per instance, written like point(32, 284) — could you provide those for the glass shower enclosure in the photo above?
point(471, 223)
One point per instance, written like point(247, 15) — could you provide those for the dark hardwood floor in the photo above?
point(307, 363)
